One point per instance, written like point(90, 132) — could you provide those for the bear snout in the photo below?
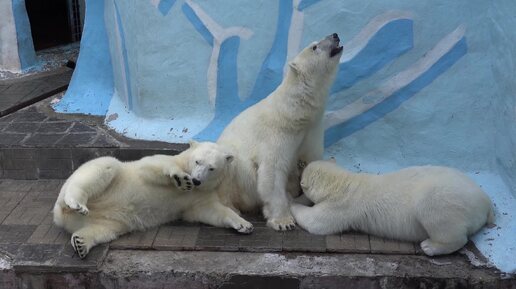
point(336, 37)
point(196, 182)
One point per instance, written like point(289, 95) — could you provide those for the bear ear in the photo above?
point(193, 143)
point(294, 67)
point(229, 158)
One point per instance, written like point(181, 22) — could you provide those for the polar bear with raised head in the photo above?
point(439, 206)
point(272, 136)
point(105, 198)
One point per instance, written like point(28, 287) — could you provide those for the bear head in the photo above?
point(207, 164)
point(318, 62)
point(320, 179)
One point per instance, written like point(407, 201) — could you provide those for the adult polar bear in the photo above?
point(272, 136)
point(105, 198)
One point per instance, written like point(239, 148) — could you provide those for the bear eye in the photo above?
point(197, 162)
point(314, 47)
point(212, 169)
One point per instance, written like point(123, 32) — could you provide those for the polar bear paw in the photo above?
point(182, 180)
point(282, 224)
point(430, 248)
point(76, 206)
point(79, 246)
point(245, 228)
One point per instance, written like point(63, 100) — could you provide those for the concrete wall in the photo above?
point(419, 82)
point(16, 48)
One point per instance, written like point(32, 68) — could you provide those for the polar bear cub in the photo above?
point(272, 136)
point(105, 198)
point(436, 205)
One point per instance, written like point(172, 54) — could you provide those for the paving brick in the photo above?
point(8, 201)
point(43, 140)
point(104, 140)
point(7, 185)
point(22, 116)
point(218, 239)
point(11, 234)
point(28, 213)
point(348, 243)
point(386, 246)
point(9, 139)
point(22, 127)
point(56, 258)
point(49, 234)
point(136, 240)
point(80, 127)
point(261, 240)
point(54, 127)
point(77, 139)
point(300, 240)
point(176, 237)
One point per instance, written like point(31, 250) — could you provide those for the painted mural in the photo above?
point(418, 83)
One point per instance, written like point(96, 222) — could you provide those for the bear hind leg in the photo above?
point(91, 235)
point(443, 238)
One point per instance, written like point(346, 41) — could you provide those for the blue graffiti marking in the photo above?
point(338, 132)
point(197, 23)
point(305, 4)
point(164, 6)
point(227, 103)
point(271, 72)
point(126, 61)
point(391, 41)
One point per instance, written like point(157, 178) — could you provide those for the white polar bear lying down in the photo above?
point(272, 136)
point(105, 198)
point(436, 205)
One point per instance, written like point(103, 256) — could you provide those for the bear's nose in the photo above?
point(335, 36)
point(196, 182)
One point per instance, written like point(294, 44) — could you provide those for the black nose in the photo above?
point(196, 182)
point(335, 36)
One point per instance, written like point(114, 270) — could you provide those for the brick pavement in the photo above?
point(28, 234)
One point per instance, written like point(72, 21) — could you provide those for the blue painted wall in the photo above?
point(425, 82)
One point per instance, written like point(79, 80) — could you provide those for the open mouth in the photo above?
point(336, 50)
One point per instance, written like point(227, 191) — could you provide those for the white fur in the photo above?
point(270, 137)
point(436, 205)
point(105, 198)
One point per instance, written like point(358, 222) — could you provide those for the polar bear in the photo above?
point(105, 198)
point(272, 136)
point(439, 206)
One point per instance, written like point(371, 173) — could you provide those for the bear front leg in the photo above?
point(218, 215)
point(180, 178)
point(272, 182)
point(321, 219)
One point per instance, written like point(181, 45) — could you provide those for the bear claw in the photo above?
point(79, 247)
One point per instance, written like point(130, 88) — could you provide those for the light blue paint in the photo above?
point(269, 77)
point(197, 23)
point(306, 3)
point(227, 104)
point(26, 51)
point(338, 132)
point(391, 41)
point(91, 87)
point(271, 72)
point(124, 55)
point(164, 6)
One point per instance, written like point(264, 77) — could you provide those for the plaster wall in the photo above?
point(424, 82)
point(16, 48)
